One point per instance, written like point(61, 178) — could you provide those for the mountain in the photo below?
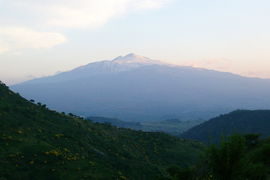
point(37, 143)
point(240, 122)
point(136, 88)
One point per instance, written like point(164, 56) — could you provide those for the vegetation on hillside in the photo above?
point(235, 158)
point(240, 122)
point(37, 143)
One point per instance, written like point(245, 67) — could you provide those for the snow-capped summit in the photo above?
point(131, 57)
point(135, 59)
point(119, 64)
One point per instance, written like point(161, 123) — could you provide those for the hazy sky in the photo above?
point(42, 37)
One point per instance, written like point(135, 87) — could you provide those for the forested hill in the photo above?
point(37, 143)
point(240, 121)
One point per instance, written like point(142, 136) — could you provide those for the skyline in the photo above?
point(40, 38)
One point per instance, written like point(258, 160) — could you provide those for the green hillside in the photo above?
point(240, 122)
point(236, 157)
point(37, 143)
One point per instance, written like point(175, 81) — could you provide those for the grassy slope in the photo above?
point(36, 143)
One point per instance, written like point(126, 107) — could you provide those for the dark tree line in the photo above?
point(235, 158)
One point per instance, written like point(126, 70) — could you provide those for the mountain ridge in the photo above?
point(128, 59)
point(236, 122)
point(147, 91)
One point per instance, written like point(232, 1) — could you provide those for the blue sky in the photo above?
point(39, 38)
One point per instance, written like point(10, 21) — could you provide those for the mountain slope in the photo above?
point(135, 88)
point(37, 143)
point(241, 121)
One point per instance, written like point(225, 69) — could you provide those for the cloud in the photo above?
point(149, 4)
point(3, 49)
point(20, 18)
point(82, 13)
point(18, 38)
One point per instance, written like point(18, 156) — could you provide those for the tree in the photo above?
point(235, 158)
point(225, 162)
point(231, 159)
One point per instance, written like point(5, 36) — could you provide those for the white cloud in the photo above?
point(83, 13)
point(20, 17)
point(18, 38)
point(149, 4)
point(3, 49)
